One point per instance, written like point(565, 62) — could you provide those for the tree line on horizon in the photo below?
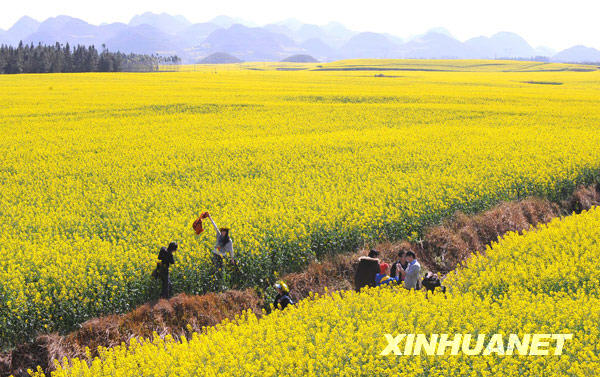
point(27, 58)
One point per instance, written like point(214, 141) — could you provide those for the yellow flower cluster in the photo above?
point(548, 262)
point(99, 170)
point(342, 334)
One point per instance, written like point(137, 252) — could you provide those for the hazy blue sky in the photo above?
point(557, 24)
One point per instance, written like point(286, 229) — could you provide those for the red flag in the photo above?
point(198, 223)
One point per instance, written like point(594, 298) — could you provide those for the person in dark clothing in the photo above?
point(368, 268)
point(399, 267)
point(283, 299)
point(431, 281)
point(165, 260)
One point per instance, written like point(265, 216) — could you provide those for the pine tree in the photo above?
point(56, 58)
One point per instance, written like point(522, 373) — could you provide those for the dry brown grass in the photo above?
point(163, 317)
point(445, 246)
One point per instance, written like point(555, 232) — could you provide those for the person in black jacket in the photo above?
point(399, 267)
point(283, 299)
point(368, 268)
point(165, 260)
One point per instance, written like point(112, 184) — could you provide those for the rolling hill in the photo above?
point(164, 22)
point(500, 45)
point(578, 54)
point(250, 43)
point(219, 58)
point(369, 45)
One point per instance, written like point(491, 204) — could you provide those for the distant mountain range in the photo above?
point(151, 33)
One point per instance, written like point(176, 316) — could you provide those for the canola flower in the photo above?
point(554, 262)
point(99, 170)
point(342, 334)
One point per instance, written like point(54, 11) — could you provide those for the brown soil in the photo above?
point(441, 250)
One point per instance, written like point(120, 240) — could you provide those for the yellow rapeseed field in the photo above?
point(342, 334)
point(382, 65)
point(99, 170)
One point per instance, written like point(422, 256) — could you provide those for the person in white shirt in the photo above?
point(412, 271)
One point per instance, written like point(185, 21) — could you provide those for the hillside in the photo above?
point(248, 43)
point(164, 22)
point(144, 39)
point(369, 45)
point(300, 59)
point(578, 54)
point(500, 45)
point(219, 58)
point(24, 27)
point(319, 49)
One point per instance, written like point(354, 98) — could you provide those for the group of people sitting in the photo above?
point(372, 272)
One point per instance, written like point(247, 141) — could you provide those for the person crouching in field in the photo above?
point(430, 282)
point(412, 271)
point(283, 299)
point(367, 269)
point(165, 260)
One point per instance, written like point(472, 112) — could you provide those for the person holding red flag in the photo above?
point(223, 245)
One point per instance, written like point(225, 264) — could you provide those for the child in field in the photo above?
point(223, 248)
point(383, 276)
